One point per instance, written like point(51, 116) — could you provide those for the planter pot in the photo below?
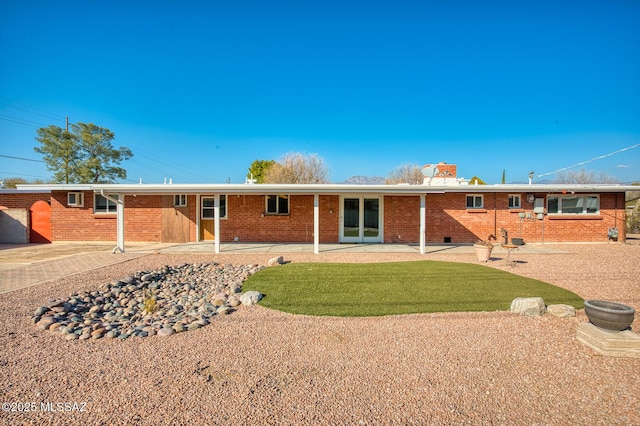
point(610, 316)
point(483, 253)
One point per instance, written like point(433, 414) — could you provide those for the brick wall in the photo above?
point(142, 213)
point(446, 217)
point(247, 221)
point(22, 200)
point(401, 219)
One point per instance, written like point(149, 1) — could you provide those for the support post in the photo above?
point(423, 222)
point(316, 223)
point(216, 222)
point(119, 220)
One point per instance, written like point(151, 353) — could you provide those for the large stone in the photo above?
point(561, 311)
point(250, 298)
point(276, 261)
point(529, 306)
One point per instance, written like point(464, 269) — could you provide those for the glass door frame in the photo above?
point(362, 238)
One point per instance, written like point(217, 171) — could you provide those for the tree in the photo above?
point(584, 177)
point(61, 153)
point(258, 169)
point(83, 155)
point(477, 181)
point(295, 167)
point(406, 173)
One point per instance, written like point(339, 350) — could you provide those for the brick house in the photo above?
point(444, 209)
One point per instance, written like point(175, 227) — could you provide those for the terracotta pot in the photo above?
point(610, 316)
point(483, 253)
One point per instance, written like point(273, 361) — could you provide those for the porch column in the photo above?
point(316, 223)
point(119, 220)
point(423, 224)
point(216, 222)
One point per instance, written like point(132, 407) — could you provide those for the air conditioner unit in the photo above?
point(75, 199)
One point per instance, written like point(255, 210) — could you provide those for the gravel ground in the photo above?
point(258, 366)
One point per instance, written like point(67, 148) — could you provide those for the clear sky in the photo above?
point(200, 89)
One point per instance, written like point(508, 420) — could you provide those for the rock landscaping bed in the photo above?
point(160, 302)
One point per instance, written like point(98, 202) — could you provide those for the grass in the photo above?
point(347, 289)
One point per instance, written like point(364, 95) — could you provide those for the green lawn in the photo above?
point(348, 289)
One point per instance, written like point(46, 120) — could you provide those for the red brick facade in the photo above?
point(447, 219)
point(23, 200)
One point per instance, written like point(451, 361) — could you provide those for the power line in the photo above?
point(21, 158)
point(589, 161)
point(42, 113)
point(22, 174)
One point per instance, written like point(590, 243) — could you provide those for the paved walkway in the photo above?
point(46, 270)
point(27, 265)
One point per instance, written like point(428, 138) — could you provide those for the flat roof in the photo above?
point(400, 189)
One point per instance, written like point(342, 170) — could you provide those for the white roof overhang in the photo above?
point(330, 189)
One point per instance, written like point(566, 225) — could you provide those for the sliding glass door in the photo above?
point(361, 218)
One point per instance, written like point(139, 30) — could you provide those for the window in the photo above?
point(180, 200)
point(102, 205)
point(514, 201)
point(573, 204)
point(277, 204)
point(208, 207)
point(475, 201)
point(75, 199)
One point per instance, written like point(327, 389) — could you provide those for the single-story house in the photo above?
point(444, 209)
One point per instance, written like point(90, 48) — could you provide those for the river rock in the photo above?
point(250, 298)
point(158, 302)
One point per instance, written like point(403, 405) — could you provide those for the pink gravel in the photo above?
point(258, 366)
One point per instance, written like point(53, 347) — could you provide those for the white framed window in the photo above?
point(276, 204)
point(573, 204)
point(207, 207)
point(75, 199)
point(180, 200)
point(475, 201)
point(103, 205)
point(515, 201)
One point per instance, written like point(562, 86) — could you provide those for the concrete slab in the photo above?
point(609, 343)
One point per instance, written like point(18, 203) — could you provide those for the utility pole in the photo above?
point(67, 120)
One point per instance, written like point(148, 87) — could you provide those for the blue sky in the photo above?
point(200, 89)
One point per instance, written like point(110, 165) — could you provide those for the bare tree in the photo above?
point(584, 177)
point(406, 173)
point(295, 167)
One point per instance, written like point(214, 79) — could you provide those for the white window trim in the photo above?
point(560, 197)
point(180, 200)
point(481, 206)
point(79, 199)
point(115, 208)
point(515, 197)
point(226, 207)
point(277, 212)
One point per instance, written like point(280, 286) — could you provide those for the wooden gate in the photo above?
point(40, 219)
point(175, 221)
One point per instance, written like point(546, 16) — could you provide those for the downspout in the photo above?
point(120, 220)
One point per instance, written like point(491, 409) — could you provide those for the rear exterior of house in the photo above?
point(460, 216)
point(444, 209)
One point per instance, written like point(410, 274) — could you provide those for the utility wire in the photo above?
point(32, 110)
point(21, 158)
point(589, 161)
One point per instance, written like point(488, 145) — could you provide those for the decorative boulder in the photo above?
point(529, 306)
point(250, 298)
point(276, 261)
point(561, 311)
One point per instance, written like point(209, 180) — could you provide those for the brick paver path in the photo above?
point(47, 270)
